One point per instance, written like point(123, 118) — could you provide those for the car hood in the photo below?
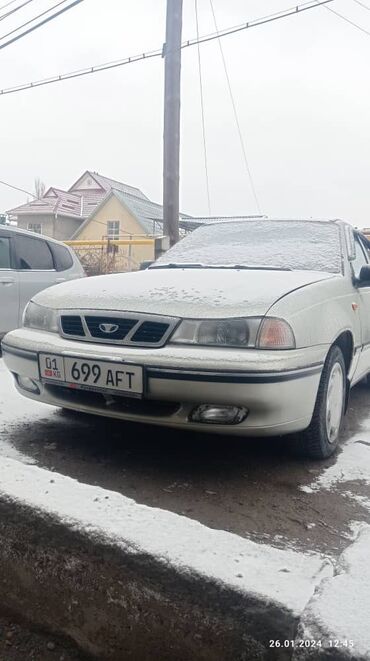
point(191, 293)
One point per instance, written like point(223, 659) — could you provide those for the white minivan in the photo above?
point(29, 263)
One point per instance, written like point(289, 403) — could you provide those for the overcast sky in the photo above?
point(301, 87)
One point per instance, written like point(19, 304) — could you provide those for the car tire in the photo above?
point(321, 438)
point(69, 413)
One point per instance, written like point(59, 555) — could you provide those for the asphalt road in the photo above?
point(252, 487)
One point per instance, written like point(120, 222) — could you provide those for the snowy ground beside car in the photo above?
point(304, 510)
point(14, 410)
point(254, 488)
point(285, 577)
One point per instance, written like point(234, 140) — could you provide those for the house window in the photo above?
point(35, 227)
point(113, 229)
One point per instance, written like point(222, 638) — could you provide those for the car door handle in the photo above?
point(60, 280)
point(7, 281)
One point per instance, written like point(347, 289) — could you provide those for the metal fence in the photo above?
point(110, 255)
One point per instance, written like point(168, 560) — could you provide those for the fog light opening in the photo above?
point(27, 384)
point(218, 415)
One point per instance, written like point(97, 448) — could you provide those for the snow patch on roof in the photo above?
point(78, 201)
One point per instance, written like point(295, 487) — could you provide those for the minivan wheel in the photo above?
point(321, 438)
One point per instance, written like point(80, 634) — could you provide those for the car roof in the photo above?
point(18, 230)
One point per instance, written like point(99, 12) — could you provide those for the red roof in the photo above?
point(77, 202)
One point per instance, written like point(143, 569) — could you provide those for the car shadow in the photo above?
point(82, 437)
point(99, 450)
point(250, 486)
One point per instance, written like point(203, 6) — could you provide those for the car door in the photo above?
point(9, 286)
point(35, 267)
point(363, 300)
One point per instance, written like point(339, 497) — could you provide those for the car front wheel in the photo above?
point(321, 438)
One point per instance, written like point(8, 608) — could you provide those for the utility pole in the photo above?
point(171, 138)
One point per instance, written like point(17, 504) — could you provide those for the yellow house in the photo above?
point(122, 216)
point(62, 213)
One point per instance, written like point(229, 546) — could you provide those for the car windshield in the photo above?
point(264, 244)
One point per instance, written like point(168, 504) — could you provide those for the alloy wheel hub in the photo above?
point(334, 402)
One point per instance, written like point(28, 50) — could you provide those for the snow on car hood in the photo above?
point(191, 293)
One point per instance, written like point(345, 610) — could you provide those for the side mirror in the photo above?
point(364, 275)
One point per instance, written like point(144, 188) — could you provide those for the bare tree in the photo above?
point(39, 187)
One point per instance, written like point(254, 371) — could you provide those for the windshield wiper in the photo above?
point(174, 265)
point(244, 267)
point(257, 268)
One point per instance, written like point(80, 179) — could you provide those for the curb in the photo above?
point(126, 581)
point(336, 619)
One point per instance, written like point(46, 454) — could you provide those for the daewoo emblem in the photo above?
point(108, 328)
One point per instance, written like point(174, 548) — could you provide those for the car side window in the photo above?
point(4, 253)
point(33, 254)
point(360, 259)
point(62, 257)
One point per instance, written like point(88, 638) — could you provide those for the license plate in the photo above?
point(89, 374)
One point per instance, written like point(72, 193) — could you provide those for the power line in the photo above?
point(8, 4)
point(236, 117)
point(297, 9)
point(39, 25)
point(347, 20)
point(362, 4)
point(159, 52)
point(83, 72)
point(62, 2)
point(4, 183)
point(202, 111)
point(12, 11)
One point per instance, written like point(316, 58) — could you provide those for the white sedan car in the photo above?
point(251, 328)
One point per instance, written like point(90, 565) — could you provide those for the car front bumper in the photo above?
point(278, 389)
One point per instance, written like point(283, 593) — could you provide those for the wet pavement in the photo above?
point(256, 488)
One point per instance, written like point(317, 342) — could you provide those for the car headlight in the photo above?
point(41, 318)
point(255, 332)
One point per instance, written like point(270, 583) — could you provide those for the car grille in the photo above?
point(117, 403)
point(123, 329)
point(150, 331)
point(72, 325)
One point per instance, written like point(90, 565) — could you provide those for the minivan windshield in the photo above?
point(281, 245)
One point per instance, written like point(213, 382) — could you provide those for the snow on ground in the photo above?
point(361, 500)
point(353, 463)
point(284, 577)
point(339, 610)
point(14, 410)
